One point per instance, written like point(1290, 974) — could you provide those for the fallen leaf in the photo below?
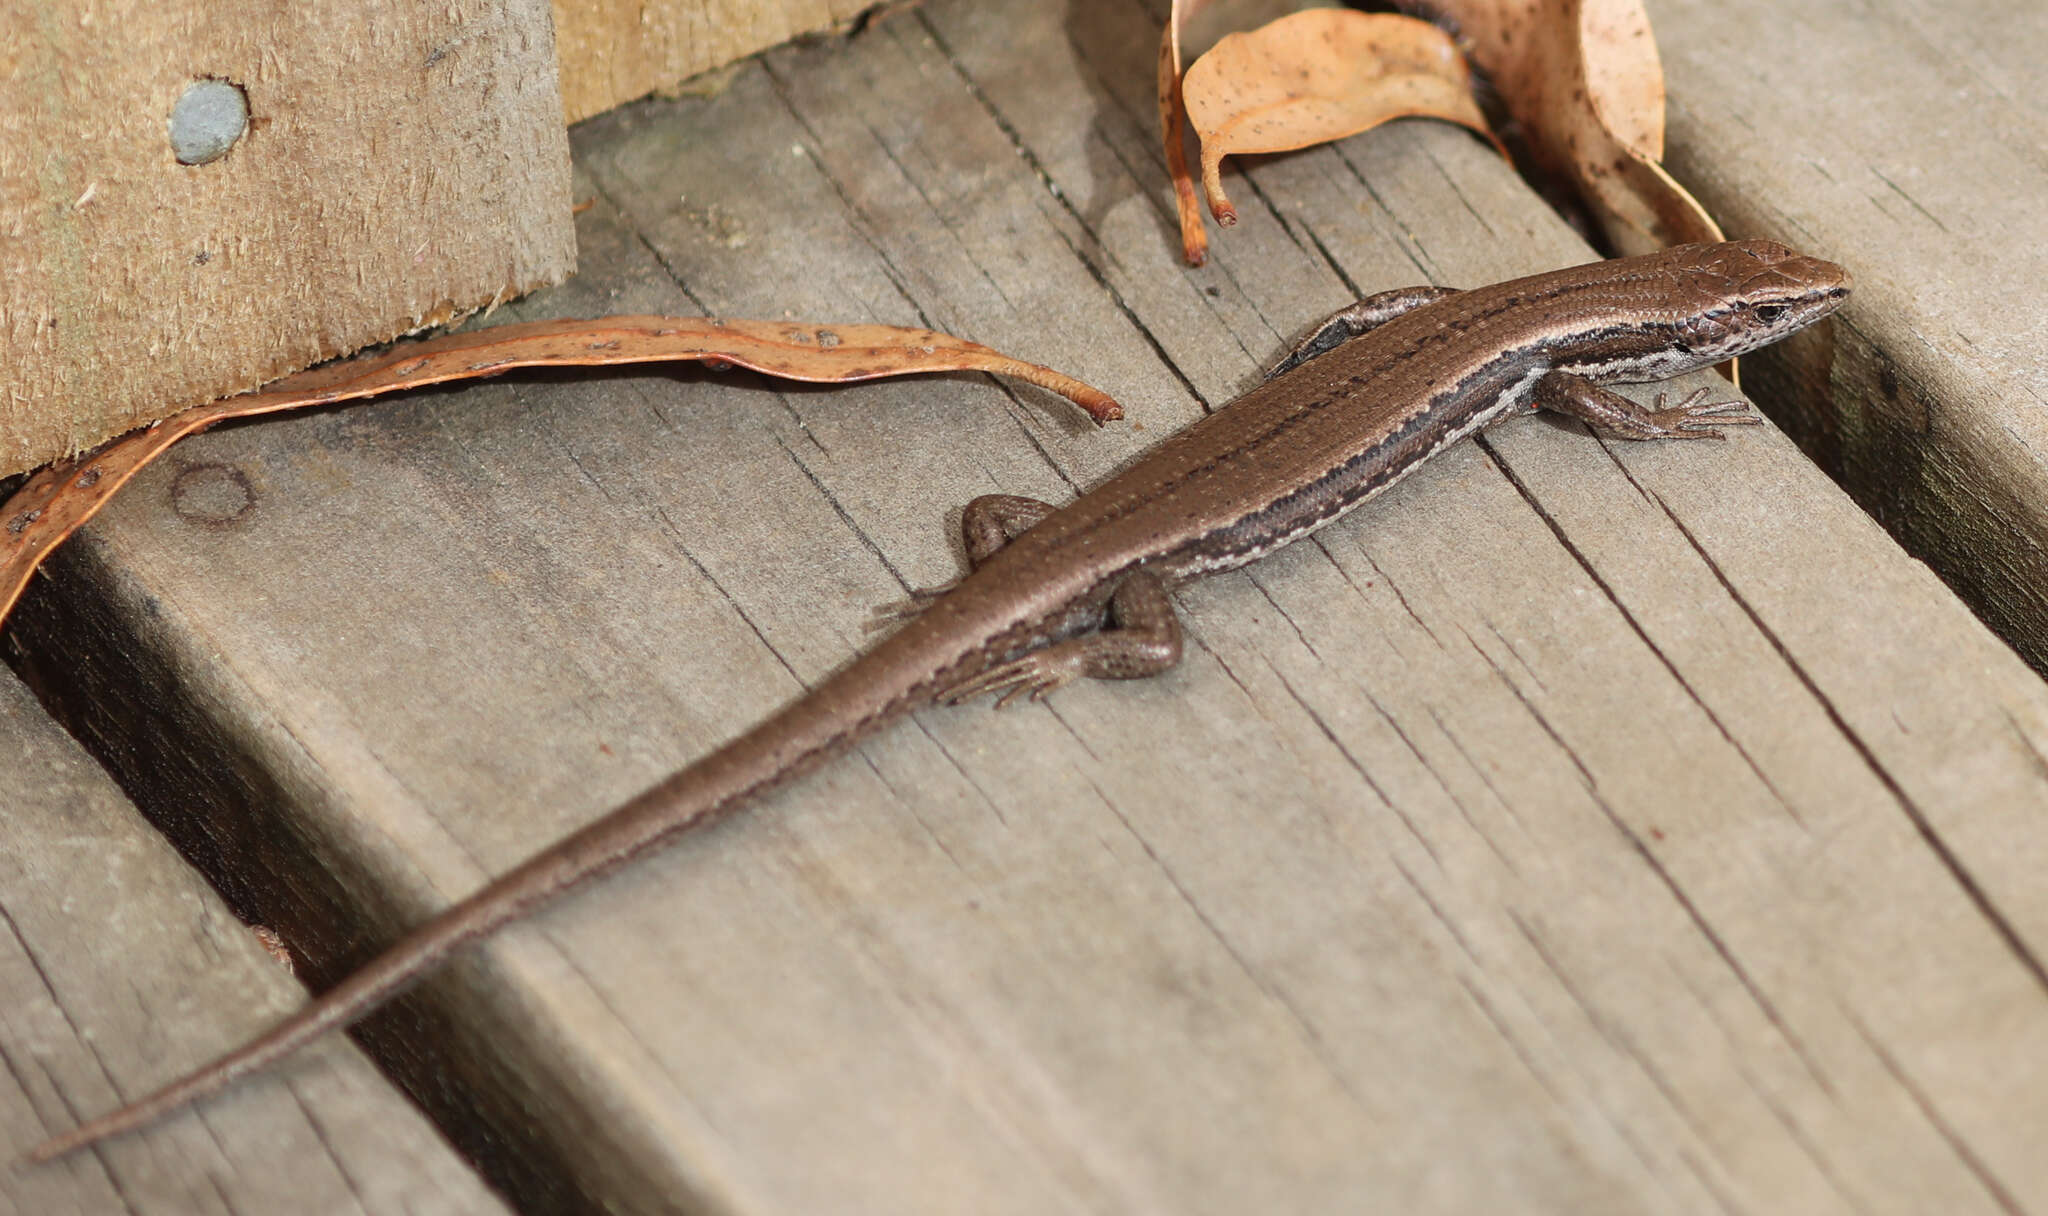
point(1320, 75)
point(1583, 82)
point(53, 503)
point(1228, 14)
point(1194, 238)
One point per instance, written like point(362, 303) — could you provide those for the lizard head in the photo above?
point(1692, 306)
point(1741, 295)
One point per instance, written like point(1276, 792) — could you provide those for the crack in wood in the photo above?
point(746, 618)
point(1592, 572)
point(995, 808)
point(1506, 806)
point(1400, 597)
point(1793, 1129)
point(327, 1147)
point(1094, 269)
point(1318, 1047)
point(1960, 1146)
point(859, 533)
point(1620, 1129)
point(1965, 880)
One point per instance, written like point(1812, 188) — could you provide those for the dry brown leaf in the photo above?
point(1194, 238)
point(1305, 78)
point(1316, 76)
point(1583, 81)
point(53, 504)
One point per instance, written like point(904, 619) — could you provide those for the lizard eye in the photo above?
point(1769, 313)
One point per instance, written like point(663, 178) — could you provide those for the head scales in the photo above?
point(1742, 295)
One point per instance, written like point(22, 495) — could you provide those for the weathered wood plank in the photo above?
point(616, 51)
point(1584, 827)
point(1909, 138)
point(115, 955)
point(404, 163)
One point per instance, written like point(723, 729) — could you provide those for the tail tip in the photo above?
point(66, 1143)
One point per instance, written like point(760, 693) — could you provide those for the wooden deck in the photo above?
point(1913, 136)
point(115, 956)
point(1582, 828)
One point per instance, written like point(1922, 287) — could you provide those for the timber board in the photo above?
point(117, 956)
point(1583, 827)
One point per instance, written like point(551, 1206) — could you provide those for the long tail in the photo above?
point(818, 726)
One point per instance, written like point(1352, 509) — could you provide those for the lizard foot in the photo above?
point(1035, 675)
point(885, 615)
point(1690, 419)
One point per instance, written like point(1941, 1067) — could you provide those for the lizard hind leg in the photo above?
point(987, 524)
point(1143, 639)
point(994, 520)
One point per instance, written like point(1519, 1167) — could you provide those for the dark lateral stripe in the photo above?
point(1374, 466)
point(1541, 342)
point(1343, 487)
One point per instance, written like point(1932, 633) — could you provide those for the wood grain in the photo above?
point(1906, 139)
point(113, 954)
point(616, 51)
point(405, 164)
point(1581, 828)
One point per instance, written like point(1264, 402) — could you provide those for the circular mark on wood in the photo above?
point(212, 495)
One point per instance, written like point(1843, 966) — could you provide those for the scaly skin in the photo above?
point(1080, 591)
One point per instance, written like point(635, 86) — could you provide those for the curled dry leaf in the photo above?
point(1315, 71)
point(1194, 238)
point(52, 504)
point(1583, 81)
point(1320, 75)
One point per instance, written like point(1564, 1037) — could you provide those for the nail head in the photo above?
point(209, 117)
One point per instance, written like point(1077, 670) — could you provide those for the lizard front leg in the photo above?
point(1354, 319)
point(1612, 415)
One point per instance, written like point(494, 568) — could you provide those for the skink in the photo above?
point(1060, 593)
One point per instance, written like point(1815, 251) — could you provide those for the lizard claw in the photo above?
point(1690, 419)
point(884, 615)
point(1031, 676)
